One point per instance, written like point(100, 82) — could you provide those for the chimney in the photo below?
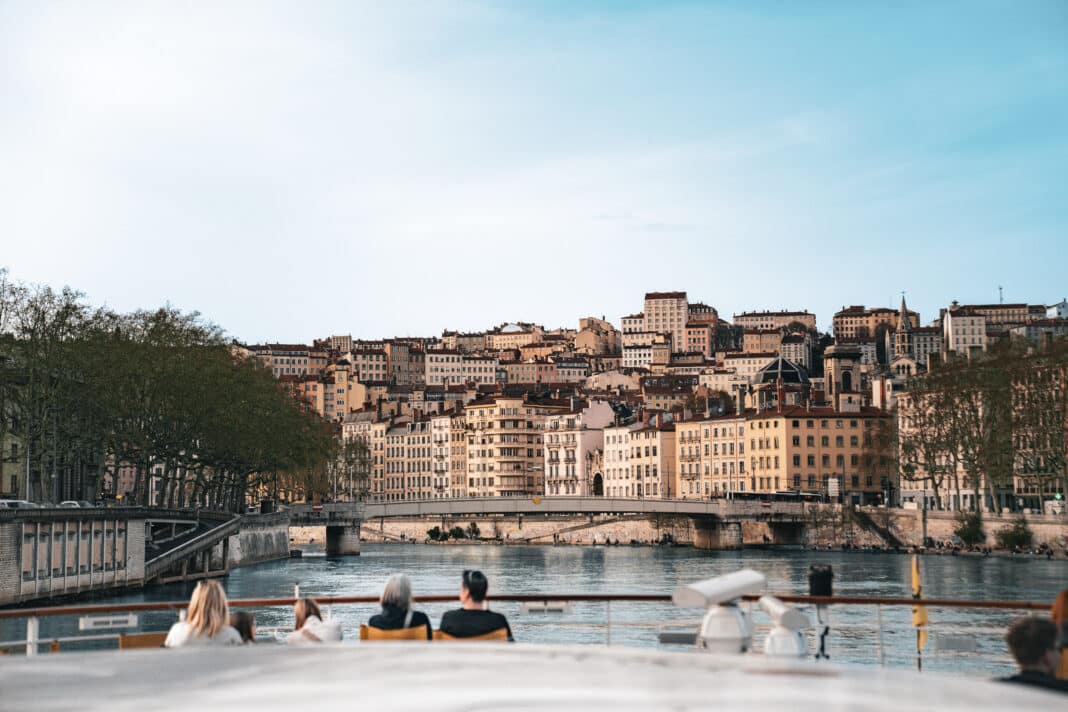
point(779, 394)
point(645, 417)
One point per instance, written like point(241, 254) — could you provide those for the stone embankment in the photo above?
point(825, 526)
point(263, 537)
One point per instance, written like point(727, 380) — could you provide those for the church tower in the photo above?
point(903, 335)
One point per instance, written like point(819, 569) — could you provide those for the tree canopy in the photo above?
point(85, 392)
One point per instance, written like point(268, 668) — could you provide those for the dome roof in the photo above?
point(788, 371)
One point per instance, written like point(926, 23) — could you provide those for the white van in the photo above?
point(16, 504)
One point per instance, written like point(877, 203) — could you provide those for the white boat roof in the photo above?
point(481, 676)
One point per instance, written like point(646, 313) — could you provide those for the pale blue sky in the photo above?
point(294, 170)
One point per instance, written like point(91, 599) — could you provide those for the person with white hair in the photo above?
point(397, 610)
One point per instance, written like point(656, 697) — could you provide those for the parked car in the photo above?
point(69, 504)
point(86, 505)
point(16, 504)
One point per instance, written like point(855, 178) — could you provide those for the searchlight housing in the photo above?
point(725, 628)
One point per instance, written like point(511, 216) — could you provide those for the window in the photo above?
point(825, 441)
point(797, 460)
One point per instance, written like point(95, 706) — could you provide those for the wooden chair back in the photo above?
point(370, 633)
point(499, 634)
point(129, 641)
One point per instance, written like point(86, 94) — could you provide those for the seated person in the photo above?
point(207, 620)
point(473, 619)
point(1032, 642)
point(245, 624)
point(309, 626)
point(397, 608)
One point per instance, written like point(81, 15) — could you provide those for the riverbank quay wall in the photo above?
point(823, 525)
point(66, 553)
point(53, 553)
point(578, 530)
point(263, 537)
point(834, 525)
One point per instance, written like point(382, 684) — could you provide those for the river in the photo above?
point(547, 569)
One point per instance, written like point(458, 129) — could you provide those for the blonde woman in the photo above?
point(207, 621)
point(309, 625)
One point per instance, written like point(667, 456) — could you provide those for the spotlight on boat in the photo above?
point(725, 628)
point(788, 626)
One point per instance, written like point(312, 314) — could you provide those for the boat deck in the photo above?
point(473, 676)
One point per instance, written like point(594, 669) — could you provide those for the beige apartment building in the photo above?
point(513, 336)
point(366, 428)
point(755, 341)
point(668, 312)
point(639, 460)
point(448, 454)
point(819, 450)
point(797, 348)
point(572, 443)
point(596, 337)
point(290, 359)
point(963, 330)
point(409, 469)
point(710, 453)
point(369, 364)
point(505, 455)
point(529, 371)
point(774, 319)
point(859, 322)
point(700, 338)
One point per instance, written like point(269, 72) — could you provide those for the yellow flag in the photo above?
point(919, 613)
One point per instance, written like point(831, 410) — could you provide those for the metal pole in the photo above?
point(879, 616)
point(608, 623)
point(32, 629)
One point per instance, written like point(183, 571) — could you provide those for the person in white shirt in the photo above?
point(310, 627)
point(207, 621)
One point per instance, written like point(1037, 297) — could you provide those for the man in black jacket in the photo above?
point(1032, 642)
point(473, 619)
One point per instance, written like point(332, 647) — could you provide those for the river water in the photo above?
point(546, 569)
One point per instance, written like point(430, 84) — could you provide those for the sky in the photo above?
point(295, 170)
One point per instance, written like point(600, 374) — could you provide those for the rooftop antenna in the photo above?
point(1001, 297)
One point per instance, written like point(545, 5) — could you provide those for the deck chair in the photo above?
point(370, 633)
point(129, 641)
point(499, 634)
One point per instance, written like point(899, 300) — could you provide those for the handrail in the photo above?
point(525, 598)
point(159, 563)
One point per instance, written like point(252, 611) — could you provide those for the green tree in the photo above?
point(1018, 535)
point(970, 528)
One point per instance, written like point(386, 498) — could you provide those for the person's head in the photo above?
point(1032, 642)
point(1060, 608)
point(208, 611)
point(473, 587)
point(397, 593)
point(245, 624)
point(304, 609)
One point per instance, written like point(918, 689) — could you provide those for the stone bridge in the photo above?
point(717, 522)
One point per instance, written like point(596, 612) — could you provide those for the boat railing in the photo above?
point(863, 624)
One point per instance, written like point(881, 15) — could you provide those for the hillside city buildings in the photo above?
point(670, 402)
